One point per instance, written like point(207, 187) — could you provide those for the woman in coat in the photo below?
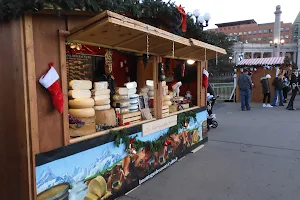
point(294, 86)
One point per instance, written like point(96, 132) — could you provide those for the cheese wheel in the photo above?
point(105, 107)
point(85, 112)
point(101, 97)
point(82, 103)
point(166, 98)
point(117, 97)
point(151, 93)
point(80, 94)
point(167, 103)
point(134, 96)
point(122, 104)
point(80, 85)
point(124, 110)
point(86, 129)
point(144, 90)
point(100, 85)
point(107, 117)
point(151, 88)
point(163, 83)
point(98, 186)
point(102, 102)
point(131, 91)
point(122, 91)
point(100, 92)
point(131, 85)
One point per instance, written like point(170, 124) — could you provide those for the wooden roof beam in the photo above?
point(129, 41)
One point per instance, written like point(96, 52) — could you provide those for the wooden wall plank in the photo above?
point(64, 85)
point(199, 83)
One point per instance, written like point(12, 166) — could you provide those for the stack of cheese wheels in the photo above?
point(166, 101)
point(121, 97)
point(101, 95)
point(81, 106)
point(133, 96)
point(105, 115)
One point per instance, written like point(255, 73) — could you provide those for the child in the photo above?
point(266, 91)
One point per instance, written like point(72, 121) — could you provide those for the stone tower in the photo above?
point(277, 26)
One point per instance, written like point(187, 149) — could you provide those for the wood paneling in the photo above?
point(15, 147)
point(46, 47)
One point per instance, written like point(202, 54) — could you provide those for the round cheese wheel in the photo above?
point(80, 94)
point(133, 101)
point(100, 85)
point(151, 93)
point(107, 117)
point(144, 90)
point(102, 102)
point(105, 107)
point(80, 84)
point(117, 97)
point(167, 103)
point(131, 85)
point(134, 96)
point(131, 91)
point(82, 103)
point(124, 110)
point(123, 104)
point(122, 91)
point(85, 112)
point(102, 97)
point(151, 88)
point(100, 92)
point(166, 98)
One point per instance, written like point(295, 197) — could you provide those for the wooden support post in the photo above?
point(199, 83)
point(157, 89)
point(64, 84)
point(203, 89)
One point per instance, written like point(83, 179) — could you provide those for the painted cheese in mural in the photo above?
point(107, 171)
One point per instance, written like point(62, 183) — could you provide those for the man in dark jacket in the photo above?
point(266, 90)
point(278, 86)
point(245, 85)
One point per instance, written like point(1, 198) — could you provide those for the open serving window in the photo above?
point(122, 72)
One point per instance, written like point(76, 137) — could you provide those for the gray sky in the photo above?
point(262, 11)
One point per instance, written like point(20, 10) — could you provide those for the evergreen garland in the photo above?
point(123, 137)
point(159, 11)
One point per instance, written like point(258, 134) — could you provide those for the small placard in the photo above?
point(159, 125)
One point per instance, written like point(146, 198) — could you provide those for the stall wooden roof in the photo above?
point(111, 30)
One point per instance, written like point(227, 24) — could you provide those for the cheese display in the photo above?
point(100, 85)
point(118, 97)
point(81, 103)
point(86, 129)
point(104, 107)
point(101, 96)
point(133, 101)
point(131, 85)
point(107, 117)
point(101, 92)
point(166, 98)
point(151, 93)
point(167, 103)
point(131, 91)
point(80, 85)
point(81, 113)
point(133, 97)
point(101, 102)
point(123, 104)
point(80, 94)
point(133, 108)
point(124, 110)
point(122, 91)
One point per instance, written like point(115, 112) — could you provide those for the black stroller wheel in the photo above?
point(214, 124)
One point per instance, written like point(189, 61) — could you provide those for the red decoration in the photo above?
point(205, 78)
point(182, 70)
point(51, 83)
point(168, 142)
point(183, 17)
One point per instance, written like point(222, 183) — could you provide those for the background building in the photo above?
point(251, 32)
point(296, 29)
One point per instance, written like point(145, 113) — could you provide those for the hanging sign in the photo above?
point(159, 125)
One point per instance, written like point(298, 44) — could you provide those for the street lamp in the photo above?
point(275, 43)
point(201, 19)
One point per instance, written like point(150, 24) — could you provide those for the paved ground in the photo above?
point(252, 155)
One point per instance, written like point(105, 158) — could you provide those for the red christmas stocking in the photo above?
point(51, 83)
point(205, 78)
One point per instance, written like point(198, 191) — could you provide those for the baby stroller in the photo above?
point(211, 118)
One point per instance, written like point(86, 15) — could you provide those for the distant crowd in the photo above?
point(281, 86)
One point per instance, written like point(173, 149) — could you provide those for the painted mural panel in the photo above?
point(107, 171)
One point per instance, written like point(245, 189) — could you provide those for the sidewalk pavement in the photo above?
point(252, 155)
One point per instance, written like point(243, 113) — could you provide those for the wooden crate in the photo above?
point(165, 111)
point(133, 117)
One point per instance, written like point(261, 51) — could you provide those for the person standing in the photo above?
point(266, 91)
point(245, 85)
point(278, 86)
point(295, 89)
point(286, 86)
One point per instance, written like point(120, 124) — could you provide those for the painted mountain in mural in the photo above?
point(105, 160)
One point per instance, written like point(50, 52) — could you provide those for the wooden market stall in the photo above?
point(37, 150)
point(259, 67)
